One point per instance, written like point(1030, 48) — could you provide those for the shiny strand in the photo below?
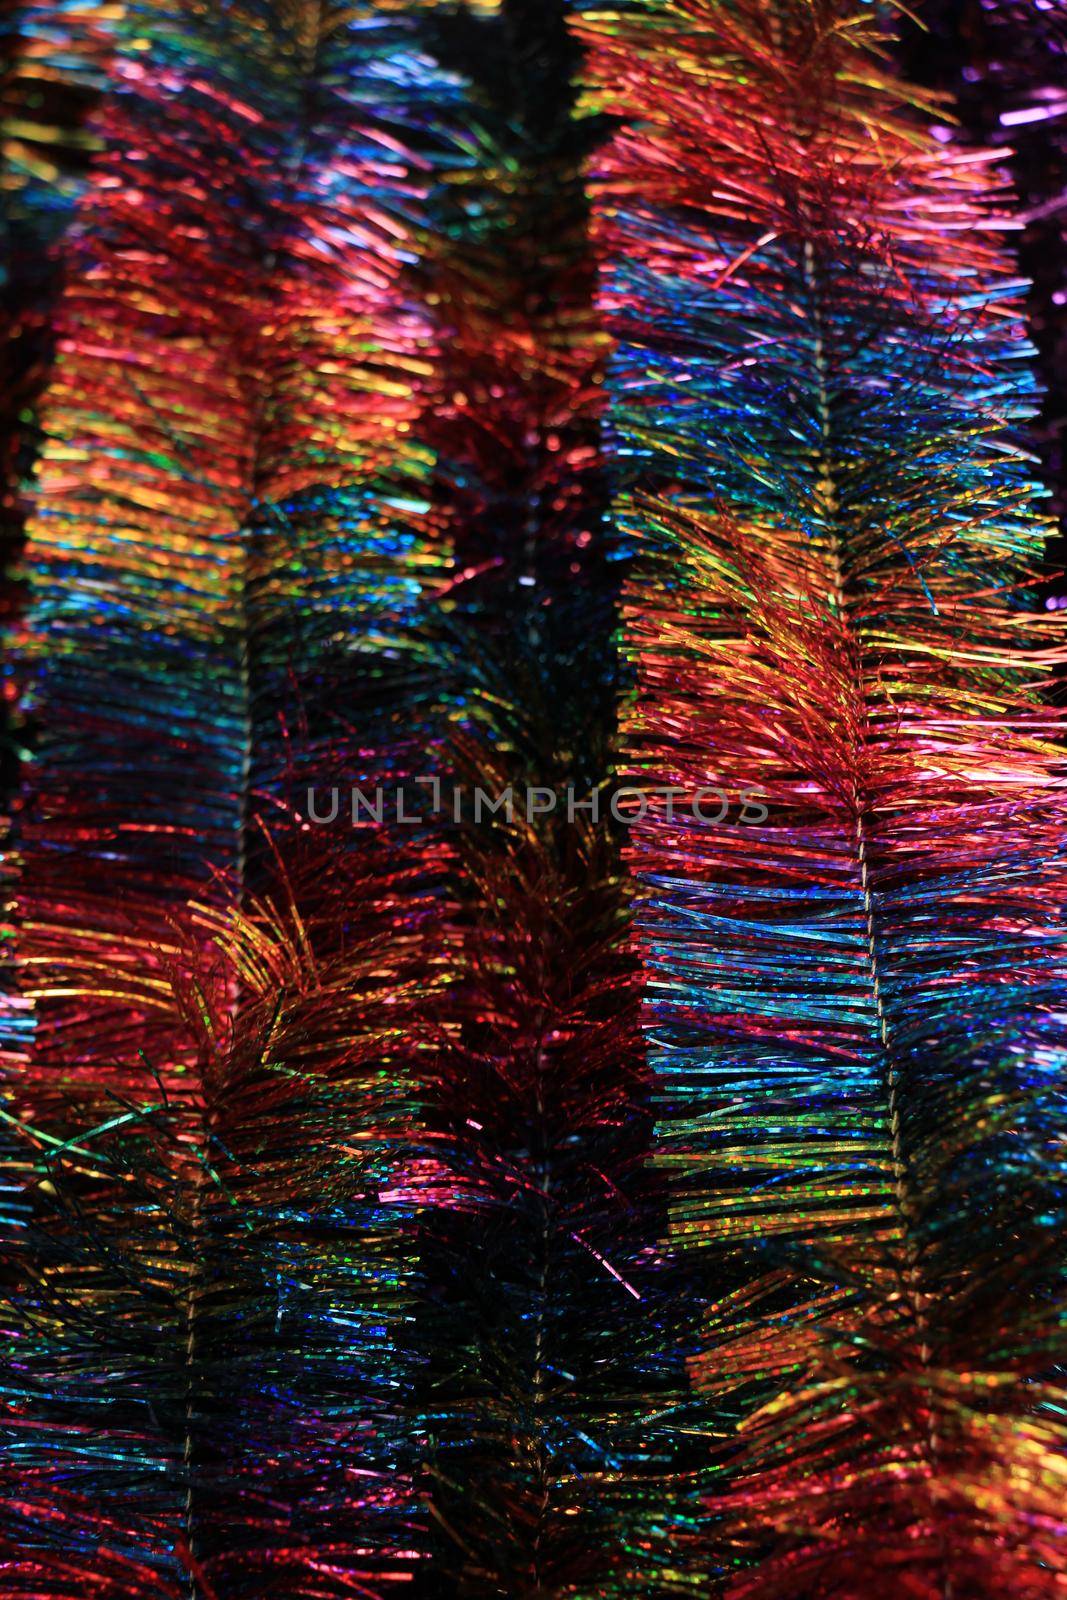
point(550, 1381)
point(855, 1006)
point(230, 539)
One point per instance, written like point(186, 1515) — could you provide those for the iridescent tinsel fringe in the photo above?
point(855, 1006)
point(231, 533)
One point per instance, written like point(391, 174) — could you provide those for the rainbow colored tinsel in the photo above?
point(535, 852)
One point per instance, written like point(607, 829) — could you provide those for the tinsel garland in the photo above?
point(855, 1006)
point(548, 1364)
point(207, 1388)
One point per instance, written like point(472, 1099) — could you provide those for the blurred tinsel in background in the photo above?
point(533, 1007)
